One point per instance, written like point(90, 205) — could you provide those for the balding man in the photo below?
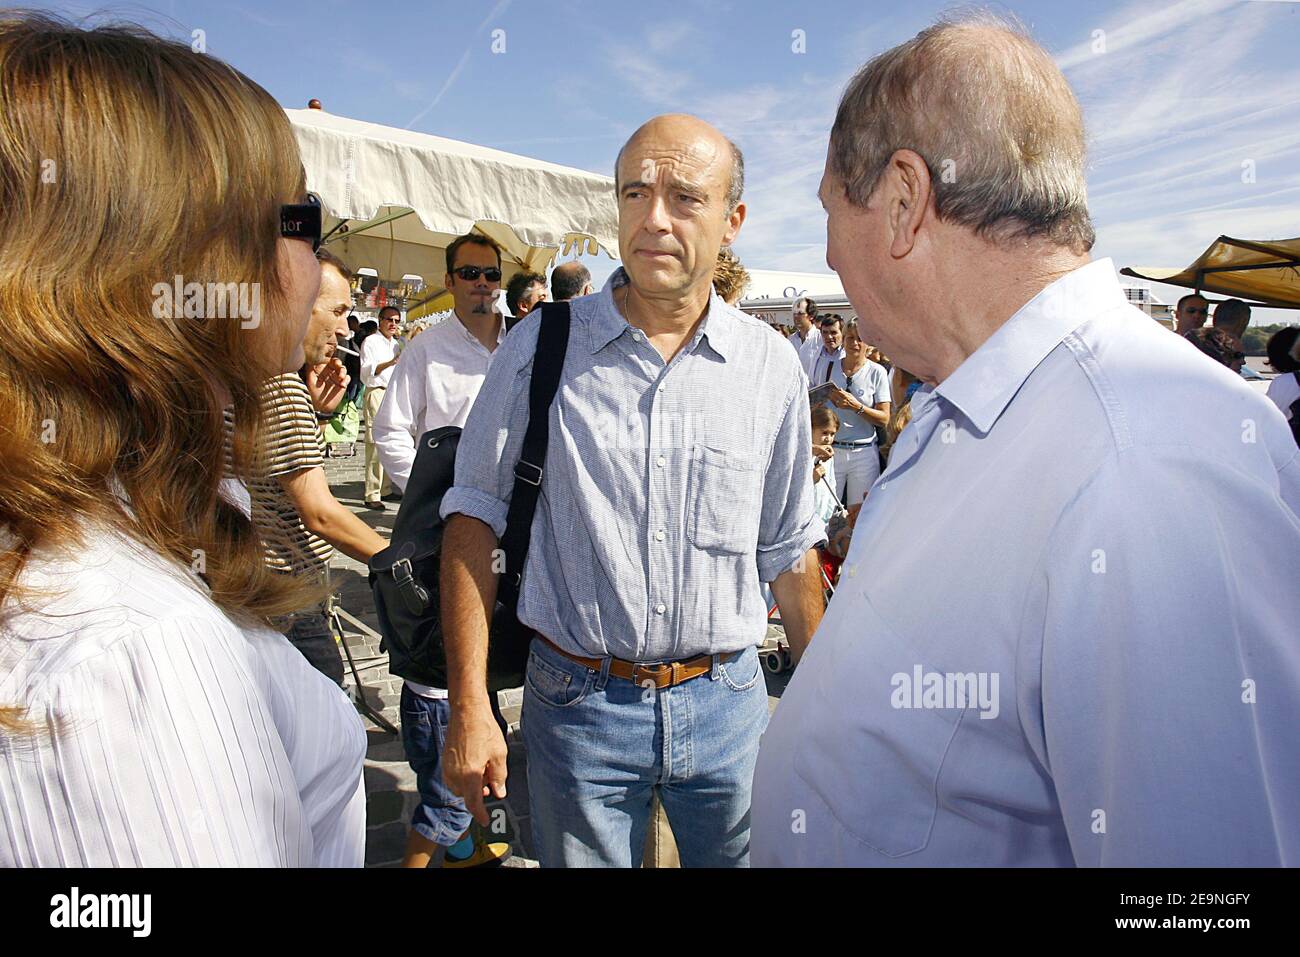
point(676, 479)
point(570, 280)
point(1082, 649)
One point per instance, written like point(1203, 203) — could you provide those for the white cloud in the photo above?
point(1137, 27)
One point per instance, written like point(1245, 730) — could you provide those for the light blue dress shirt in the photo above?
point(1082, 646)
point(670, 490)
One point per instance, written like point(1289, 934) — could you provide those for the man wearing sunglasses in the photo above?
point(434, 385)
point(441, 371)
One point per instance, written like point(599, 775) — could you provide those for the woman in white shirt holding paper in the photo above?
point(149, 716)
point(862, 398)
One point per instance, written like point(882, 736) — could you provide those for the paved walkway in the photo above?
point(390, 782)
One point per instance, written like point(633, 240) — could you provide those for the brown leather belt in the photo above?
point(665, 675)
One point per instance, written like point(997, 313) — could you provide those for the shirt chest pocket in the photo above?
point(724, 500)
point(870, 753)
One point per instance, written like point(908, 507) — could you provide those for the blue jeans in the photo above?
point(440, 816)
point(599, 745)
point(311, 634)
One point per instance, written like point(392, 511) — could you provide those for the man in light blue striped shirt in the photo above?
point(678, 477)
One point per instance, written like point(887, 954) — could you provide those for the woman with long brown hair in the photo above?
point(153, 272)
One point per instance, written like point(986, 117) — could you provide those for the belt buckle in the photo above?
point(658, 673)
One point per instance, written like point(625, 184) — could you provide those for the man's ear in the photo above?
point(734, 222)
point(447, 281)
point(908, 196)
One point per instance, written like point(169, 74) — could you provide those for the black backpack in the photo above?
point(404, 577)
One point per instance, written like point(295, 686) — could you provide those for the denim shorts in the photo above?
point(440, 817)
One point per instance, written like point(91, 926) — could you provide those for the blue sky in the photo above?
point(1183, 95)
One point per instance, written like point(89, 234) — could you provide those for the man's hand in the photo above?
point(474, 759)
point(326, 383)
point(843, 400)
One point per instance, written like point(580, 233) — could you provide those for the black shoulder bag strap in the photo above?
point(548, 363)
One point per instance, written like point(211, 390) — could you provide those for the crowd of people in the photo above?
point(1064, 632)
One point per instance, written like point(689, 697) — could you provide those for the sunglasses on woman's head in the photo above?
point(302, 221)
point(470, 273)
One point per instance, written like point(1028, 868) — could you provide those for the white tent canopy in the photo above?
point(403, 196)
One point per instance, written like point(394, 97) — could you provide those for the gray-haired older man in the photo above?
point(1082, 649)
point(676, 479)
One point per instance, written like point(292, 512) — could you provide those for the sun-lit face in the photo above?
point(672, 215)
point(832, 336)
point(473, 297)
point(856, 248)
point(826, 436)
point(854, 347)
point(329, 316)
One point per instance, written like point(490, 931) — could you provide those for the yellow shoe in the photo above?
point(485, 855)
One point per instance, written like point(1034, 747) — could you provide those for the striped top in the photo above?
point(171, 735)
point(292, 441)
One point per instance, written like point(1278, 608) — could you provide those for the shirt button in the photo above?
point(659, 535)
point(661, 461)
point(637, 336)
point(660, 608)
point(662, 387)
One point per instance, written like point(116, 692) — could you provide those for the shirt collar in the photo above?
point(469, 336)
point(983, 385)
point(719, 327)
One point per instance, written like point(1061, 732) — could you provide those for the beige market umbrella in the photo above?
point(394, 199)
point(1265, 271)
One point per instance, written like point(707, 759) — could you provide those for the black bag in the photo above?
point(404, 577)
point(1295, 414)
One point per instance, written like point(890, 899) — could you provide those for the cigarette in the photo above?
point(338, 348)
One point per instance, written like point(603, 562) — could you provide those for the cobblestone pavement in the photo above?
point(390, 782)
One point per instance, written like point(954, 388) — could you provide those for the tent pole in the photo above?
point(337, 226)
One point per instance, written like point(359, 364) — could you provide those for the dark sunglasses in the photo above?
point(470, 273)
point(302, 221)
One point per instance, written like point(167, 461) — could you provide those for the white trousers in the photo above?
point(855, 471)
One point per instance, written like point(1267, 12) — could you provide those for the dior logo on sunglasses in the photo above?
point(302, 221)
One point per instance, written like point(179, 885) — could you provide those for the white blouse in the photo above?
point(170, 736)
